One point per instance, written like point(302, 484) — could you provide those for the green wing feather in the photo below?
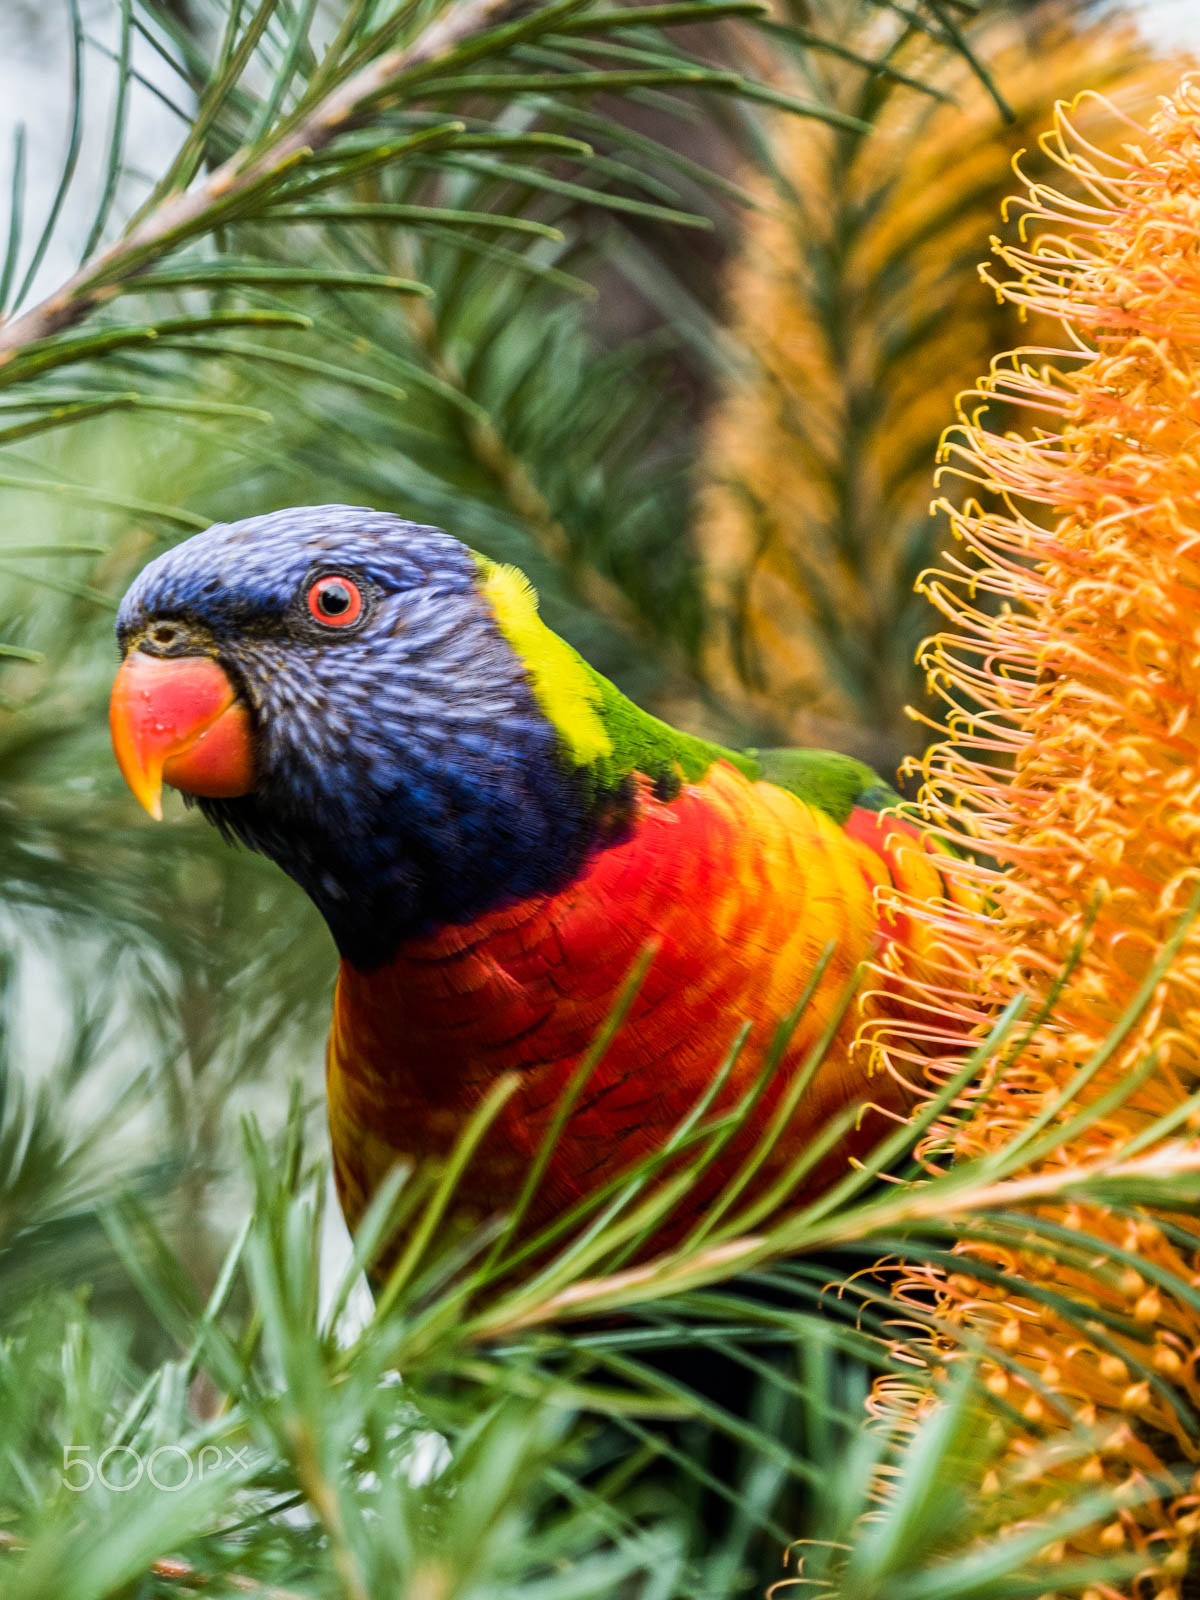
point(832, 782)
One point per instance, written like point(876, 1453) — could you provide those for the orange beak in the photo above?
point(178, 720)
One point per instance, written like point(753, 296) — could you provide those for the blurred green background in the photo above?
point(691, 378)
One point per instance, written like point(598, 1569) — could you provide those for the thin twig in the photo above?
point(919, 1204)
point(94, 280)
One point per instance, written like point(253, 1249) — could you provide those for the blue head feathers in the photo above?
point(405, 775)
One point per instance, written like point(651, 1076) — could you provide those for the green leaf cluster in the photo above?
point(380, 266)
point(507, 1416)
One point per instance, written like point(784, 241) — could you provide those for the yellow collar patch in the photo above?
point(563, 684)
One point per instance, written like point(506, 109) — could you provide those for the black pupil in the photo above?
point(333, 599)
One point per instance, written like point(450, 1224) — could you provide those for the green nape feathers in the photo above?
point(603, 731)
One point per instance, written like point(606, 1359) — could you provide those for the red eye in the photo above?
point(335, 601)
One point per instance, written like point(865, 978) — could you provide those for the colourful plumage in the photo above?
point(493, 833)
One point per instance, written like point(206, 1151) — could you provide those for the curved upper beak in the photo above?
point(178, 720)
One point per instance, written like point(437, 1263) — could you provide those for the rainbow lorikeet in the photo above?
point(492, 833)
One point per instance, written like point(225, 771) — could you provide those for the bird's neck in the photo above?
point(392, 881)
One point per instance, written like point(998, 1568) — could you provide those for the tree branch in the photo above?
point(183, 215)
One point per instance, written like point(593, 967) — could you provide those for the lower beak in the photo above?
point(178, 720)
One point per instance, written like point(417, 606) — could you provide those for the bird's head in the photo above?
point(372, 705)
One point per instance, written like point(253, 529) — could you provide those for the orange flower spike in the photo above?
point(1087, 676)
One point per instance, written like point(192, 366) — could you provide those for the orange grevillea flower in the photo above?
point(1071, 763)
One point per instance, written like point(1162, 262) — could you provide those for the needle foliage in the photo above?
point(445, 259)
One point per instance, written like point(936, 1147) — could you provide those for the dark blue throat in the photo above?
point(443, 851)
